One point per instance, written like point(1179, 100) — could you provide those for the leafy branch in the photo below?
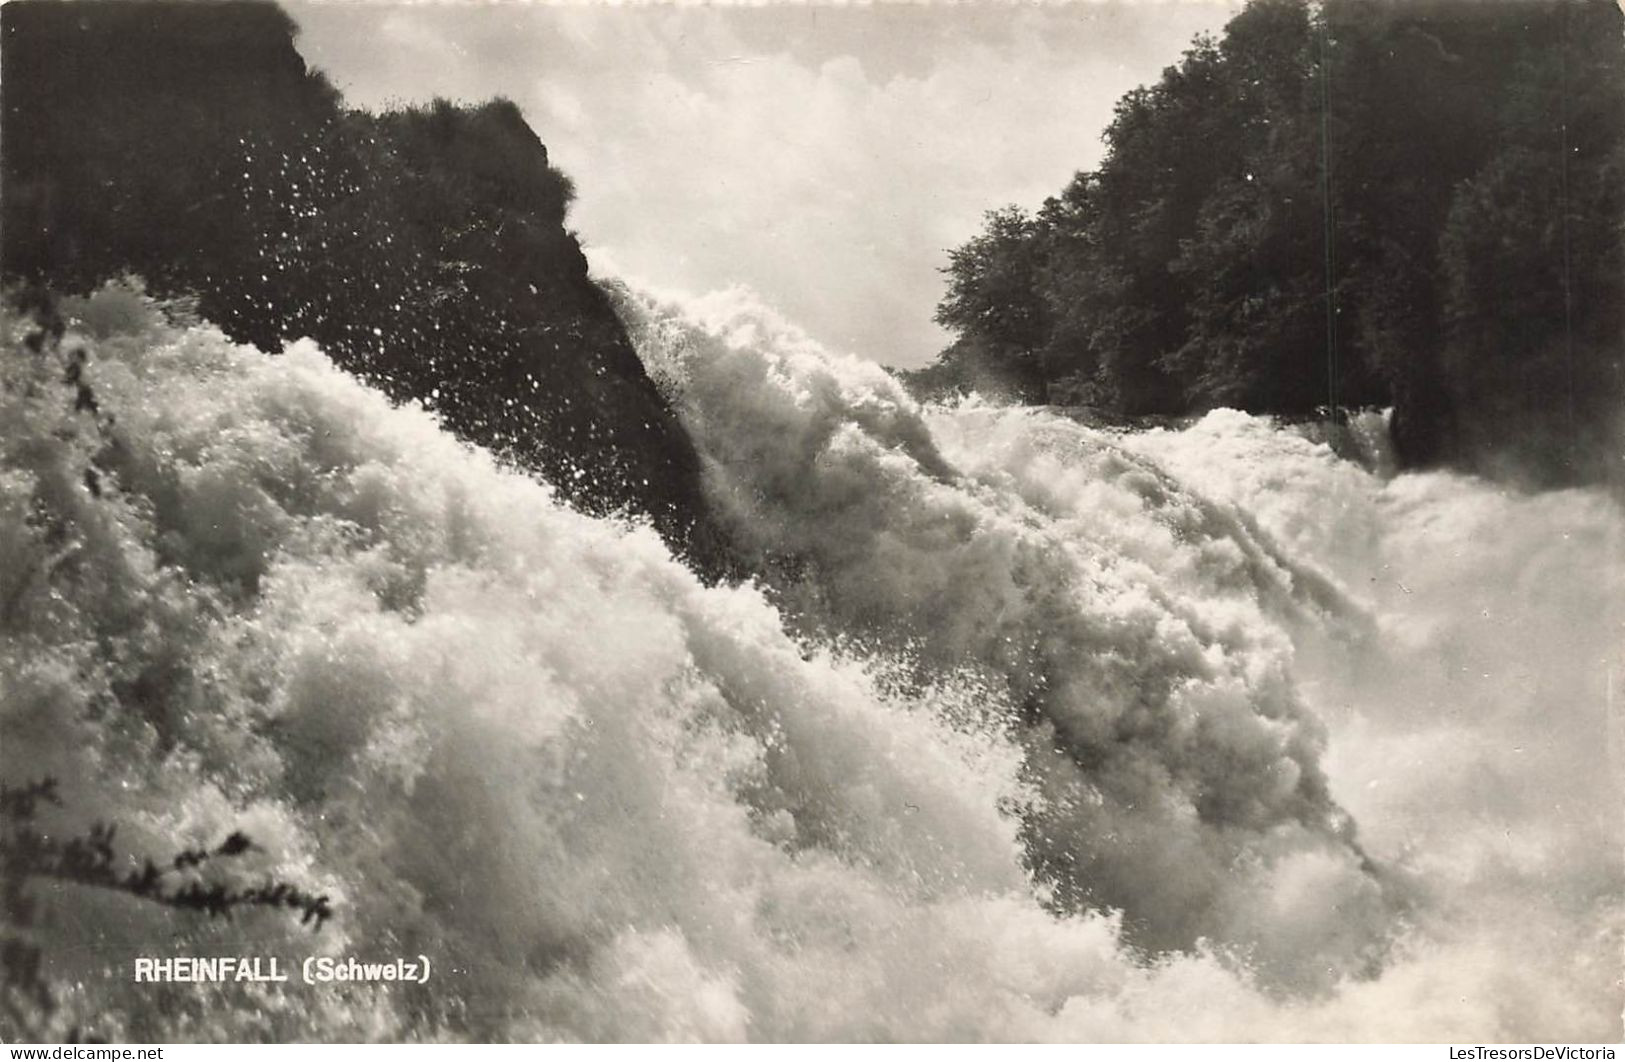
point(89, 859)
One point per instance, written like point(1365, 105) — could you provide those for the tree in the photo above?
point(996, 303)
point(1410, 202)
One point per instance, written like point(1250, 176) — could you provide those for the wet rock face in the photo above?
point(424, 249)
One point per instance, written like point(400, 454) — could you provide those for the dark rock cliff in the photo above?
point(424, 249)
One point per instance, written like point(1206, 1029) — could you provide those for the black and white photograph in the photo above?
point(1094, 522)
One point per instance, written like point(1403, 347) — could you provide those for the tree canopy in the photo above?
point(1357, 202)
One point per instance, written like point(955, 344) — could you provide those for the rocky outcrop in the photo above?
point(424, 249)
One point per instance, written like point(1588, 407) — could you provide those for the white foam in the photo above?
point(612, 803)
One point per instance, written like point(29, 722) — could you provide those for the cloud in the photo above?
point(827, 157)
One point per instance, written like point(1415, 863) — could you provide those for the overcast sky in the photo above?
point(826, 156)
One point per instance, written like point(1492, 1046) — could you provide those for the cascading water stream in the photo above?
point(1027, 730)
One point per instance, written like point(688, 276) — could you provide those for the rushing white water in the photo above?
point(1030, 731)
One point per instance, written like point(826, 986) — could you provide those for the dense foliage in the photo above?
point(424, 249)
point(1414, 203)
